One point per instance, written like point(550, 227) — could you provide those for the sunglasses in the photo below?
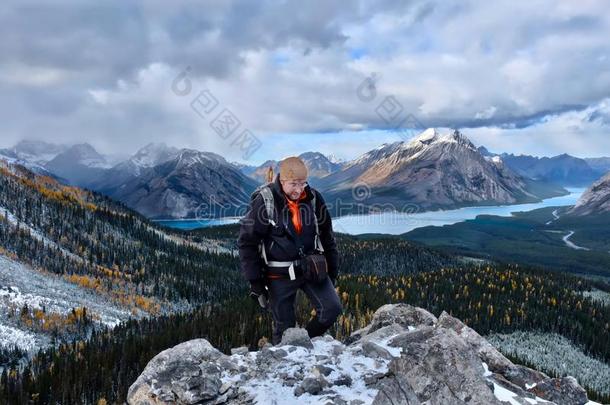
point(295, 184)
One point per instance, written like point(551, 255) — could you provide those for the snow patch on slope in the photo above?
point(556, 353)
point(12, 337)
point(21, 285)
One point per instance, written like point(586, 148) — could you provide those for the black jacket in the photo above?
point(280, 241)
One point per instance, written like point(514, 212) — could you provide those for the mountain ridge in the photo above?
point(595, 200)
point(400, 174)
point(563, 169)
point(434, 170)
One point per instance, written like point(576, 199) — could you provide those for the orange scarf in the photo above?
point(295, 213)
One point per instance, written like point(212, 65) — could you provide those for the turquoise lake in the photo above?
point(395, 222)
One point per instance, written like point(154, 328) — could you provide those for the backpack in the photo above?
point(265, 191)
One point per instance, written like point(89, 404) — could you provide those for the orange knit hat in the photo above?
point(293, 168)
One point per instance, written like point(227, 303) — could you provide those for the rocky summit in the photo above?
point(405, 356)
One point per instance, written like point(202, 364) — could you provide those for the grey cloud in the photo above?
point(445, 61)
point(601, 116)
point(522, 121)
point(101, 41)
point(115, 39)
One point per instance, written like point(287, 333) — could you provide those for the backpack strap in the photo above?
point(269, 204)
point(317, 241)
point(267, 194)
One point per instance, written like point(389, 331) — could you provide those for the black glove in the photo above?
point(259, 293)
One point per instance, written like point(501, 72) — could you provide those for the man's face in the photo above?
point(293, 188)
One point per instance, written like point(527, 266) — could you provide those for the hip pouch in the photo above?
point(315, 268)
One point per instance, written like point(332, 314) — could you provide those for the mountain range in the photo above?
point(565, 170)
point(318, 165)
point(191, 184)
point(158, 181)
point(435, 170)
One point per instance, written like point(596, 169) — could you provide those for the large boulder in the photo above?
point(404, 315)
point(392, 317)
point(489, 354)
point(186, 374)
point(296, 337)
point(405, 356)
point(396, 390)
point(441, 370)
point(564, 391)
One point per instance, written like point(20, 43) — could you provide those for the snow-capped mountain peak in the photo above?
point(435, 136)
point(373, 155)
point(496, 159)
point(36, 152)
point(427, 136)
point(153, 154)
point(8, 159)
point(438, 168)
point(189, 157)
point(82, 154)
point(429, 139)
point(334, 158)
point(86, 155)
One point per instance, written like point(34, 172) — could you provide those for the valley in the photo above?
point(106, 286)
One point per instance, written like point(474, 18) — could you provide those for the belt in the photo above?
point(273, 263)
point(291, 265)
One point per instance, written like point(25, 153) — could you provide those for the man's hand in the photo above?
point(259, 293)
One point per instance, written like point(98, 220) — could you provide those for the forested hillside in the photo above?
point(99, 243)
point(492, 299)
point(377, 255)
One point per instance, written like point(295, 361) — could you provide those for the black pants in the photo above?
point(282, 294)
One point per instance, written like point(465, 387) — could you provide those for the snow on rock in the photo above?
point(406, 356)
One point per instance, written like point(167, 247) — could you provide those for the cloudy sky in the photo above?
point(254, 80)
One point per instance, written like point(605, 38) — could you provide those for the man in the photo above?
point(274, 272)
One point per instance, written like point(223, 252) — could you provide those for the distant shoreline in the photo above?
point(393, 217)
